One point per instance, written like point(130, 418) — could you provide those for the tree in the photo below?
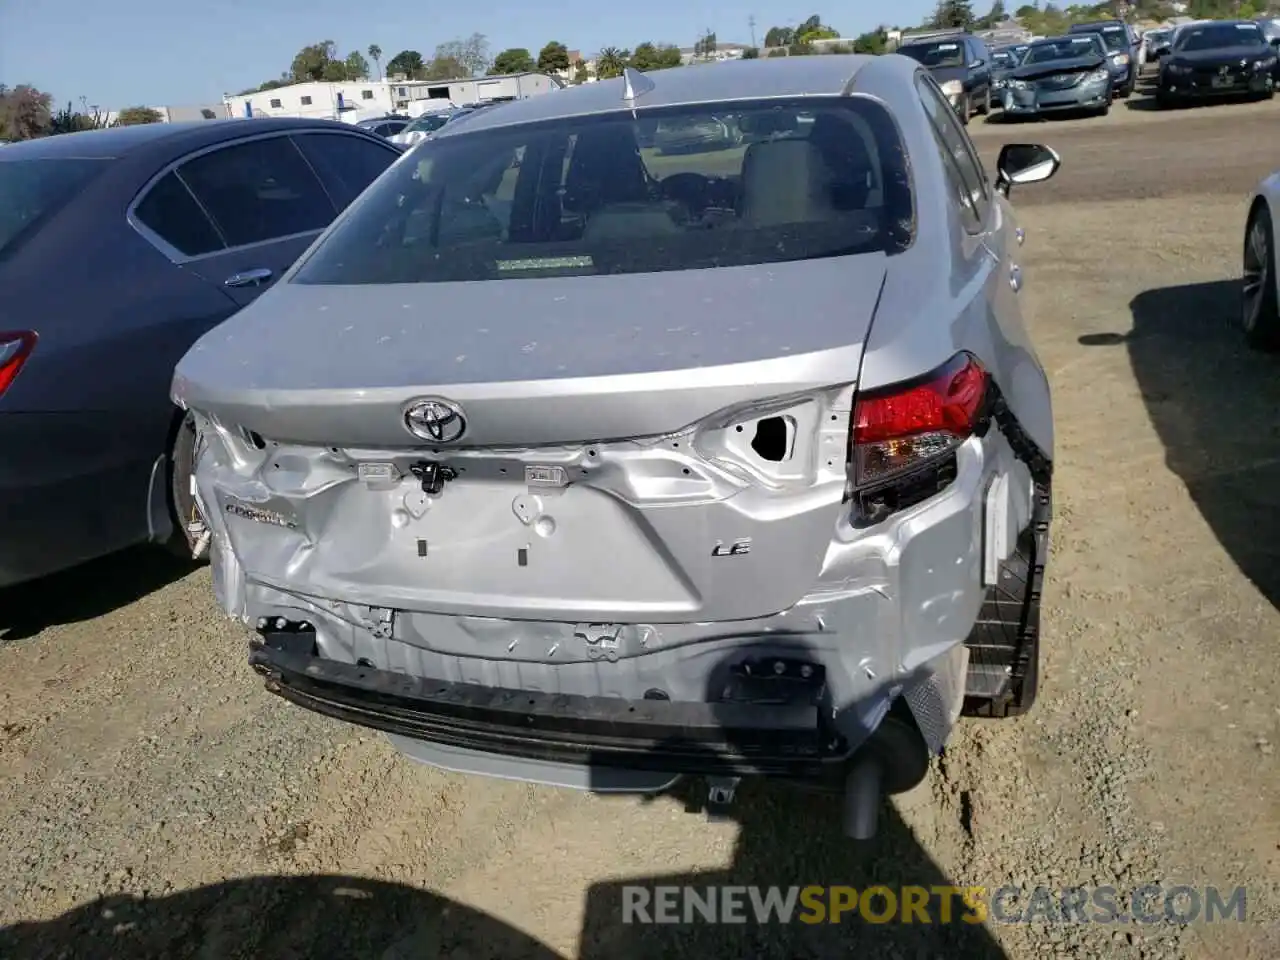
point(407, 62)
point(814, 29)
point(953, 13)
point(580, 72)
point(375, 54)
point(70, 120)
point(1026, 10)
point(24, 112)
point(705, 46)
point(445, 68)
point(611, 63)
point(136, 116)
point(874, 42)
point(472, 54)
point(779, 37)
point(649, 56)
point(357, 66)
point(751, 53)
point(553, 58)
point(311, 61)
point(512, 60)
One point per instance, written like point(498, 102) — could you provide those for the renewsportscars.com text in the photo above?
point(930, 905)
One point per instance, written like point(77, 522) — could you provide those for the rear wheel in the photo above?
point(1260, 311)
point(182, 502)
point(1126, 90)
point(985, 109)
point(964, 109)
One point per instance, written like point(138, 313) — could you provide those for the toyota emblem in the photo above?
point(435, 419)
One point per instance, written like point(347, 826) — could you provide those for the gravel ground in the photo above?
point(156, 802)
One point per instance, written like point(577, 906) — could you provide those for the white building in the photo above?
point(359, 100)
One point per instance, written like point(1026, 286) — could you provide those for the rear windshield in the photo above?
point(33, 190)
point(1068, 48)
point(427, 123)
point(937, 53)
point(1213, 35)
point(1114, 36)
point(685, 188)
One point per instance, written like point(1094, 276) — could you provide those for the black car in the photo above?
point(385, 126)
point(120, 248)
point(1122, 52)
point(1217, 58)
point(961, 65)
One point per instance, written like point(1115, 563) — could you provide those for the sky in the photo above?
point(118, 53)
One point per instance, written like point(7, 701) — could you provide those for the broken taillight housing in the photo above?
point(15, 347)
point(901, 428)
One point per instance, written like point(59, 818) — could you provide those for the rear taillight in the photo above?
point(901, 428)
point(15, 347)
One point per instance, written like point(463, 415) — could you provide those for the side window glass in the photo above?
point(935, 108)
point(957, 145)
point(261, 190)
point(347, 164)
point(169, 211)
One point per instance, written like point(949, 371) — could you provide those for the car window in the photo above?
point(967, 178)
point(260, 190)
point(346, 164)
point(427, 123)
point(1064, 48)
point(959, 147)
point(1216, 35)
point(713, 185)
point(938, 53)
point(170, 212)
point(31, 191)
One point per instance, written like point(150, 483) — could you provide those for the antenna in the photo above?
point(634, 86)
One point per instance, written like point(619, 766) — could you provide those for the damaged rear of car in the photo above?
point(563, 460)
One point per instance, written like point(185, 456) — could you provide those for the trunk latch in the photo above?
point(432, 475)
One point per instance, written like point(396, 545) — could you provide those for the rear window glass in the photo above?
point(1067, 48)
point(33, 190)
point(427, 123)
point(945, 53)
point(1114, 37)
point(672, 189)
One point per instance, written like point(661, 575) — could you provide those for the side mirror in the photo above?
point(977, 63)
point(1025, 163)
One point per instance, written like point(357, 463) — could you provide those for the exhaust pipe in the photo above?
point(894, 759)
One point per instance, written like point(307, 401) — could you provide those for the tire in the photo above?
point(964, 111)
point(1259, 306)
point(182, 505)
point(985, 109)
point(1126, 90)
point(1103, 110)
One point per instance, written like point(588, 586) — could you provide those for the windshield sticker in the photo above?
point(1245, 26)
point(1113, 29)
point(948, 46)
point(546, 263)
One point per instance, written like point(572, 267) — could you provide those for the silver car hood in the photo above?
point(533, 361)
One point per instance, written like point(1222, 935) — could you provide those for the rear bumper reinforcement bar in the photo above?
point(731, 738)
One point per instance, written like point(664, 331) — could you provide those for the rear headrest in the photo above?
point(784, 181)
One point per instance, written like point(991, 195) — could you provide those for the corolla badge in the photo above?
point(435, 419)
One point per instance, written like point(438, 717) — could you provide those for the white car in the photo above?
point(1260, 301)
point(421, 128)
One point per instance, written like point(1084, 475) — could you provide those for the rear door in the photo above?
point(267, 204)
point(346, 163)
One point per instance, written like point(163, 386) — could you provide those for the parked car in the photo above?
point(1003, 60)
point(1157, 41)
point(1122, 52)
point(168, 229)
point(1215, 59)
point(961, 64)
point(477, 485)
point(1060, 74)
point(1260, 301)
point(421, 128)
point(387, 126)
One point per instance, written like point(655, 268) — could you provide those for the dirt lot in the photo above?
point(141, 761)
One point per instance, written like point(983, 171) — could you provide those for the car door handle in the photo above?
point(248, 278)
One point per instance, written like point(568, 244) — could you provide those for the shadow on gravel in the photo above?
point(87, 591)
point(282, 918)
point(785, 840)
point(1216, 407)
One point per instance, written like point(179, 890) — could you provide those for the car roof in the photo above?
point(774, 77)
point(121, 142)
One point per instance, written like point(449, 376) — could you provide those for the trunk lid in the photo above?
point(532, 362)
point(655, 448)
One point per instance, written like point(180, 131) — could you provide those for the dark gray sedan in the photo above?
point(118, 249)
